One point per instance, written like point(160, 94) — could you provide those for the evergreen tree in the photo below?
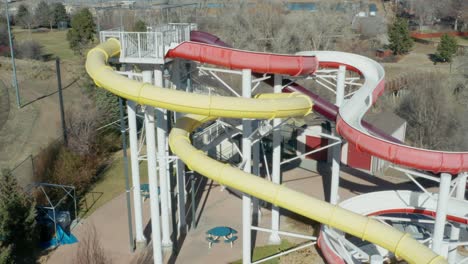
point(446, 48)
point(399, 37)
point(17, 222)
point(82, 30)
point(42, 14)
point(107, 106)
point(59, 14)
point(140, 26)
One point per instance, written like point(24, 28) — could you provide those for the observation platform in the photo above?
point(151, 46)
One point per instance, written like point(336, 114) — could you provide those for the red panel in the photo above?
point(315, 143)
point(239, 59)
point(428, 160)
point(420, 211)
point(329, 253)
point(358, 159)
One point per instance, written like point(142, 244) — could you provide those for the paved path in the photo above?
point(4, 104)
point(111, 225)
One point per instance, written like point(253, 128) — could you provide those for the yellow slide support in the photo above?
point(205, 108)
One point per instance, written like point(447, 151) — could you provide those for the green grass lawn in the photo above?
point(54, 42)
point(110, 185)
point(266, 251)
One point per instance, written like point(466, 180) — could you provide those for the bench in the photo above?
point(211, 241)
point(231, 240)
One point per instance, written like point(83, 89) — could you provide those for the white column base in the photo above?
point(140, 245)
point(274, 239)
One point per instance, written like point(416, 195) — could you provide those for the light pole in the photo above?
point(15, 80)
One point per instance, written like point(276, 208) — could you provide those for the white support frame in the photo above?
point(153, 186)
point(274, 238)
point(161, 132)
point(135, 168)
point(336, 149)
point(455, 231)
point(246, 149)
point(441, 215)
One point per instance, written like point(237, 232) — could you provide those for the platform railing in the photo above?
point(150, 46)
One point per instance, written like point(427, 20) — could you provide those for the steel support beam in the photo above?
point(161, 132)
point(336, 150)
point(153, 185)
point(276, 167)
point(455, 232)
point(180, 167)
point(247, 153)
point(441, 214)
point(133, 136)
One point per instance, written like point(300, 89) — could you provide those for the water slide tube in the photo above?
point(348, 118)
point(205, 108)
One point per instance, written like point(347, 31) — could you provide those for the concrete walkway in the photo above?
point(111, 225)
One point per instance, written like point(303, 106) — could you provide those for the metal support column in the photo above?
point(180, 167)
point(441, 214)
point(152, 178)
point(336, 150)
point(123, 131)
point(162, 162)
point(12, 54)
point(247, 153)
point(455, 232)
point(133, 136)
point(256, 171)
point(276, 167)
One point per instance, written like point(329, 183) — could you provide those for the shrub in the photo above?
point(30, 49)
point(71, 168)
point(81, 129)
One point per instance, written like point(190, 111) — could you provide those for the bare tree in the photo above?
point(425, 10)
point(81, 128)
point(456, 9)
point(312, 31)
point(432, 112)
point(90, 250)
point(268, 27)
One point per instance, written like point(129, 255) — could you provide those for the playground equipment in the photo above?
point(202, 109)
point(53, 217)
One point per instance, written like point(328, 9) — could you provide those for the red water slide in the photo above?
point(377, 143)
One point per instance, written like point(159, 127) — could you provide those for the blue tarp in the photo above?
point(61, 238)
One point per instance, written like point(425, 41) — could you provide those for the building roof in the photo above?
point(386, 121)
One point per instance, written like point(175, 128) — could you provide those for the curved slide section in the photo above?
point(385, 202)
point(207, 108)
point(349, 119)
point(238, 59)
point(391, 202)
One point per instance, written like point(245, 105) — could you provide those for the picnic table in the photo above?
point(225, 232)
point(144, 189)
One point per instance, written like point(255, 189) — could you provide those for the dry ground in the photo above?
point(37, 123)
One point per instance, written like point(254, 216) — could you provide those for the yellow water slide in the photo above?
point(205, 108)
